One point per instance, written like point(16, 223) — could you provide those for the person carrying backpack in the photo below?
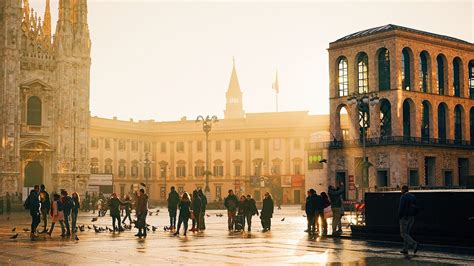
point(33, 204)
point(407, 211)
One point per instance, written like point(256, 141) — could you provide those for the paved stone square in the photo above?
point(286, 243)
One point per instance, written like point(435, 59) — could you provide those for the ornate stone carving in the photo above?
point(447, 161)
point(382, 160)
point(412, 160)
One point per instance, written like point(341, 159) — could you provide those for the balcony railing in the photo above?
point(392, 140)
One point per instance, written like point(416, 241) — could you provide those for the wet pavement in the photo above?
point(286, 243)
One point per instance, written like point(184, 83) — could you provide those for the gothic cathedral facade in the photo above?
point(44, 97)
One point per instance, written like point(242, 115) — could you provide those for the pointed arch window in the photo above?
point(424, 72)
point(457, 77)
point(442, 122)
point(471, 80)
point(384, 69)
point(458, 123)
point(406, 69)
point(385, 119)
point(342, 77)
point(425, 121)
point(440, 68)
point(363, 73)
point(34, 111)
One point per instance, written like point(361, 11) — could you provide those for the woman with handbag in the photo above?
point(327, 213)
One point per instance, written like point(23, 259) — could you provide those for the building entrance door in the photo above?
point(297, 196)
point(33, 176)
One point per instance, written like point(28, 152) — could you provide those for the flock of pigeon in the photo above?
point(100, 229)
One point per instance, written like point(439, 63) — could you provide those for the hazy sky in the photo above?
point(164, 60)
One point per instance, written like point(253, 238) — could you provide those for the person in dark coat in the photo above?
point(231, 203)
point(335, 196)
point(141, 211)
point(75, 211)
point(34, 205)
point(114, 206)
point(319, 214)
point(267, 212)
point(250, 209)
point(173, 201)
point(45, 207)
point(68, 204)
point(240, 218)
point(326, 203)
point(184, 213)
point(310, 209)
point(128, 209)
point(196, 205)
point(202, 214)
point(407, 211)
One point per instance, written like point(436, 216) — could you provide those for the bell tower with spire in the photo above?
point(233, 108)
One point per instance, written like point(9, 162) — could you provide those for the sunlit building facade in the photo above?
point(417, 110)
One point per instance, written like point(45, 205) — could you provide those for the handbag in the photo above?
point(327, 212)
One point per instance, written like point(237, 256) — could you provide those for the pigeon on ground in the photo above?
point(14, 236)
point(150, 213)
point(8, 218)
point(14, 229)
point(157, 211)
point(110, 230)
point(94, 219)
point(88, 227)
point(26, 229)
point(154, 228)
point(208, 215)
point(283, 219)
point(76, 238)
point(166, 228)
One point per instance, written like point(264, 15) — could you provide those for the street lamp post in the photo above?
point(363, 102)
point(147, 163)
point(206, 127)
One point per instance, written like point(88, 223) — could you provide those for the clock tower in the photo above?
point(233, 108)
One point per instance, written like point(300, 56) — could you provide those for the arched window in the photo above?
point(385, 119)
point(33, 117)
point(471, 79)
point(108, 166)
point(458, 123)
point(134, 169)
point(122, 168)
point(94, 165)
point(406, 119)
point(384, 69)
point(471, 118)
point(406, 69)
point(425, 121)
point(342, 76)
point(457, 77)
point(440, 68)
point(363, 73)
point(442, 122)
point(424, 76)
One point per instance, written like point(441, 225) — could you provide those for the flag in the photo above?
point(275, 84)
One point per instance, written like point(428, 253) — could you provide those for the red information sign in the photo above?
point(351, 179)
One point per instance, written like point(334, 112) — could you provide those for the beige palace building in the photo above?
point(248, 152)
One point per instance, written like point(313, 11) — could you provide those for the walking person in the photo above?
point(407, 211)
point(184, 213)
point(68, 204)
point(335, 196)
point(319, 214)
point(173, 201)
point(141, 211)
point(196, 205)
point(310, 209)
point(114, 206)
point(8, 199)
point(34, 205)
point(128, 209)
point(240, 218)
point(231, 203)
point(75, 211)
point(57, 215)
point(324, 222)
point(202, 214)
point(45, 207)
point(250, 209)
point(267, 212)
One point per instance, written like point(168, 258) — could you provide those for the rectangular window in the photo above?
point(219, 193)
point(277, 144)
point(276, 169)
point(163, 147)
point(297, 168)
point(256, 144)
point(181, 171)
point(237, 145)
point(180, 146)
point(180, 190)
point(107, 144)
point(218, 145)
point(147, 147)
point(237, 170)
point(134, 171)
point(94, 143)
point(218, 170)
point(121, 145)
point(122, 190)
point(199, 146)
point(121, 170)
point(134, 145)
point(108, 169)
point(199, 170)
